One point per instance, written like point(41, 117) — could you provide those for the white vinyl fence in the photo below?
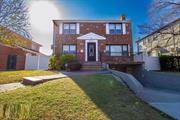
point(150, 62)
point(39, 62)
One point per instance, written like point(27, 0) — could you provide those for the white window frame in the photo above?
point(69, 49)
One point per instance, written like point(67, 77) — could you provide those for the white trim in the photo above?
point(60, 28)
point(91, 36)
point(124, 28)
point(77, 28)
point(107, 28)
point(86, 50)
point(129, 50)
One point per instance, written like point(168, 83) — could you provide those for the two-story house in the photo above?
point(94, 41)
point(164, 41)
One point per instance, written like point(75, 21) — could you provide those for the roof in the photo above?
point(23, 48)
point(90, 21)
point(22, 37)
point(29, 50)
point(169, 24)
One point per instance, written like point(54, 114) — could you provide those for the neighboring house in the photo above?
point(94, 41)
point(14, 57)
point(165, 41)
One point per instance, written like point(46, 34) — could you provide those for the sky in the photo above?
point(42, 12)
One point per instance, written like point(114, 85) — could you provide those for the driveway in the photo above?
point(166, 101)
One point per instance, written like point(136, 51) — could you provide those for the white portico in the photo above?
point(91, 45)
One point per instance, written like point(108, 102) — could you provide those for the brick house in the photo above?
point(13, 57)
point(94, 41)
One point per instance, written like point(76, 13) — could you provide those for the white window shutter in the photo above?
point(60, 28)
point(107, 28)
point(129, 50)
point(124, 28)
point(77, 28)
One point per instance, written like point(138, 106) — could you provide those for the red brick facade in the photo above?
point(19, 53)
point(98, 27)
point(7, 50)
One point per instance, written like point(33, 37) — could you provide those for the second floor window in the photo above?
point(69, 49)
point(69, 28)
point(115, 28)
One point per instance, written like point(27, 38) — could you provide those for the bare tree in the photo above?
point(161, 12)
point(13, 18)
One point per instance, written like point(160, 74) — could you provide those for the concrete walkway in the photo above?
point(40, 79)
point(62, 74)
point(84, 72)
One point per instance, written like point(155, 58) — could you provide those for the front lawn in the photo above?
point(16, 76)
point(92, 97)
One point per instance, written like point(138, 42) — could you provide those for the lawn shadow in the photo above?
point(114, 99)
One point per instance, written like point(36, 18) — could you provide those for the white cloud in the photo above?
point(42, 12)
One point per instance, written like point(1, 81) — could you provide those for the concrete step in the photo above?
point(40, 79)
point(92, 63)
point(91, 67)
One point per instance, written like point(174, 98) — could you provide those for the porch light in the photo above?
point(81, 50)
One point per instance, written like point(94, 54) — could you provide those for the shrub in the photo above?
point(54, 62)
point(59, 62)
point(73, 66)
point(170, 63)
point(64, 59)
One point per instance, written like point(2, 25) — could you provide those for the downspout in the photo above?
point(53, 38)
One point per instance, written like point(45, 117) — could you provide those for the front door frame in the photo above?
point(86, 49)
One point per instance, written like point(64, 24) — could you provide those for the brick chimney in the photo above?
point(122, 17)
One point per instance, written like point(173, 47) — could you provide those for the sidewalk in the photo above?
point(10, 86)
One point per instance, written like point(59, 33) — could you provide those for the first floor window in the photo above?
point(125, 50)
point(117, 50)
point(69, 49)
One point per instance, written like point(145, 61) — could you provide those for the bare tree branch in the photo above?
point(161, 12)
point(13, 17)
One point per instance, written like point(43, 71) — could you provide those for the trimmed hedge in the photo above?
point(170, 63)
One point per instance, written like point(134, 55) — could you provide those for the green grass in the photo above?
point(92, 97)
point(16, 76)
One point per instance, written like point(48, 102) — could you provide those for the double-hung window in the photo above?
point(69, 49)
point(69, 28)
point(117, 50)
point(115, 28)
point(125, 50)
